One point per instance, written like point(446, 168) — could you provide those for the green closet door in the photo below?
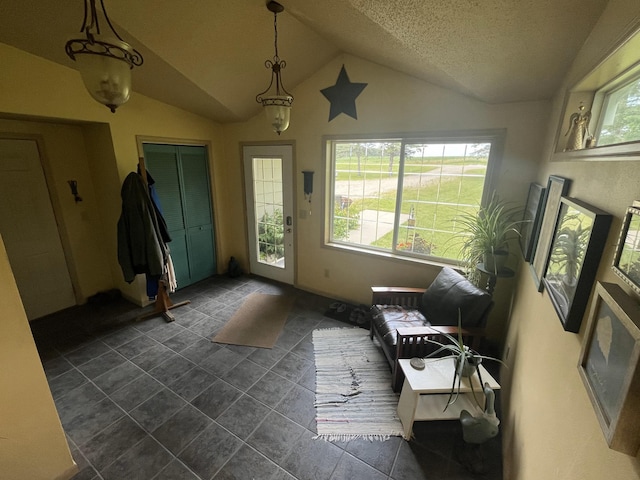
point(182, 183)
point(195, 174)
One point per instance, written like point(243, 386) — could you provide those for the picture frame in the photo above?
point(557, 187)
point(609, 366)
point(626, 261)
point(576, 249)
point(532, 218)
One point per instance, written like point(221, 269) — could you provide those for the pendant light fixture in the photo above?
point(105, 61)
point(276, 102)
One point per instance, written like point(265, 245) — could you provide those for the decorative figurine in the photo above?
point(578, 129)
point(483, 427)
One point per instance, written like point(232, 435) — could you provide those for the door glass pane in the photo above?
point(268, 204)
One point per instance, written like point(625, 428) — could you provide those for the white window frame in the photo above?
point(618, 68)
point(495, 137)
point(603, 95)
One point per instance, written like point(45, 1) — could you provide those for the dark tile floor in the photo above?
point(156, 400)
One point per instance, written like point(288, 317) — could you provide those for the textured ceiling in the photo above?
point(207, 56)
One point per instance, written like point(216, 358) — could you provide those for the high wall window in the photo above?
point(402, 195)
point(620, 117)
point(610, 97)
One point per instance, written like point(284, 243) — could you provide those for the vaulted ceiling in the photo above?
point(207, 56)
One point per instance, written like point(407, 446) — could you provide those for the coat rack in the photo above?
point(163, 302)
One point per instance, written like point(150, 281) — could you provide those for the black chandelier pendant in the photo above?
point(105, 63)
point(276, 102)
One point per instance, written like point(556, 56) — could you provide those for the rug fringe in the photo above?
point(335, 328)
point(346, 437)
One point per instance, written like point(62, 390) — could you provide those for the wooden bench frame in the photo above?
point(412, 341)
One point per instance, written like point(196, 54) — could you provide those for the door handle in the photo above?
point(289, 221)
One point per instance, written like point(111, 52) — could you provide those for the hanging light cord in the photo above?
point(94, 24)
point(275, 65)
point(275, 28)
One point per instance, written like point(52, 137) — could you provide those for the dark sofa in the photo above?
point(427, 313)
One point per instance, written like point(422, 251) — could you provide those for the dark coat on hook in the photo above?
point(140, 245)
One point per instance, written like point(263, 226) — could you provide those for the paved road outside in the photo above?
point(375, 224)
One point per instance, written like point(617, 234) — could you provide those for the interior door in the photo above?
point(181, 175)
point(30, 231)
point(268, 174)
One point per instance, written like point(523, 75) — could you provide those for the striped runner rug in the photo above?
point(354, 398)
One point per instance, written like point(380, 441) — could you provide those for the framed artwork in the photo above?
point(577, 246)
point(557, 187)
point(609, 366)
point(532, 218)
point(626, 262)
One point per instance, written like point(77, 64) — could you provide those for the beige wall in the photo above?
point(32, 443)
point(550, 428)
point(391, 103)
point(84, 141)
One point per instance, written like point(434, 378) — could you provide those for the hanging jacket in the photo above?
point(140, 245)
point(155, 200)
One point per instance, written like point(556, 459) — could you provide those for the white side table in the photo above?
point(425, 392)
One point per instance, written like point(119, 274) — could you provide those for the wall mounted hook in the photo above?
point(74, 190)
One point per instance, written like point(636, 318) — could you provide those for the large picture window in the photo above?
point(403, 195)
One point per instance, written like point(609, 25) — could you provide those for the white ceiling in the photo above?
point(207, 56)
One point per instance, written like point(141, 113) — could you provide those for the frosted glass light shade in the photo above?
point(278, 111)
point(106, 78)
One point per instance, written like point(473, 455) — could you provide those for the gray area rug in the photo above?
point(354, 398)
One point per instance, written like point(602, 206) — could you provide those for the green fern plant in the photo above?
point(487, 231)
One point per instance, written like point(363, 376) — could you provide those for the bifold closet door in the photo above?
point(181, 175)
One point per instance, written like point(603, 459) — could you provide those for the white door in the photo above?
point(268, 176)
point(30, 232)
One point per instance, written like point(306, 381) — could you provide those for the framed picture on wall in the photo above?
point(557, 187)
point(626, 262)
point(576, 249)
point(609, 366)
point(532, 218)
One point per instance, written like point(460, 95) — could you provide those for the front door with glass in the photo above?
point(268, 173)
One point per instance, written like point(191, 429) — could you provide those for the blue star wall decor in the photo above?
point(343, 95)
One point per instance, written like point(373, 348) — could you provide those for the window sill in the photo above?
point(621, 152)
point(391, 256)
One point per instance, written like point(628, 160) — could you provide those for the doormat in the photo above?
point(354, 398)
point(258, 322)
point(358, 316)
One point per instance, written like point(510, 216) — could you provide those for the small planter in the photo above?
point(495, 261)
point(470, 365)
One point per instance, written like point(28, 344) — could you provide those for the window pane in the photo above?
point(621, 117)
point(366, 180)
point(267, 187)
point(410, 213)
point(438, 180)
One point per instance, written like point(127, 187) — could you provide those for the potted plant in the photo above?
point(467, 361)
point(487, 235)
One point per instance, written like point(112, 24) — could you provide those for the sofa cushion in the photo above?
point(451, 291)
point(388, 318)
